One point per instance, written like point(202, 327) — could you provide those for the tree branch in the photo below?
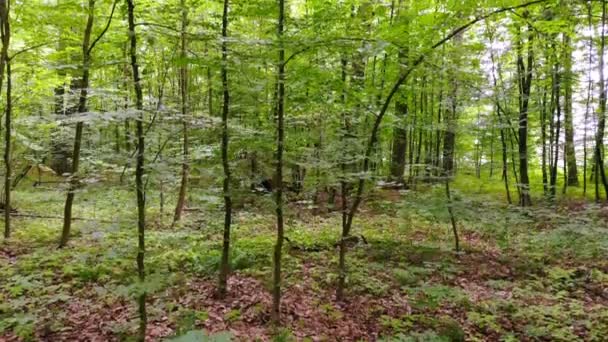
point(104, 30)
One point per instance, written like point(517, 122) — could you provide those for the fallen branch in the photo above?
point(17, 214)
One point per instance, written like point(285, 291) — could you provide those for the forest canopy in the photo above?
point(395, 170)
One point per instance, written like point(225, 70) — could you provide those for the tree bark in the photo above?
point(87, 48)
point(183, 88)
point(572, 169)
point(5, 60)
point(558, 109)
point(82, 108)
point(280, 110)
point(601, 120)
point(524, 74)
point(139, 171)
point(225, 262)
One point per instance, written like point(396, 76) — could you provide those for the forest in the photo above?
point(303, 170)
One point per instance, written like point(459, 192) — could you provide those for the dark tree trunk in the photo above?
point(451, 212)
point(570, 154)
point(183, 88)
point(543, 137)
point(82, 108)
point(343, 193)
point(558, 109)
point(280, 110)
point(601, 120)
point(5, 60)
point(139, 172)
point(225, 262)
point(524, 73)
point(399, 143)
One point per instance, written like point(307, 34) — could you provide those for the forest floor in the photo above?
point(535, 274)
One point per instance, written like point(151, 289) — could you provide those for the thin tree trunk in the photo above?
point(87, 48)
point(278, 248)
point(505, 160)
point(225, 262)
point(7, 147)
point(451, 212)
point(5, 60)
point(183, 88)
point(589, 92)
point(543, 137)
point(82, 108)
point(139, 172)
point(601, 120)
point(343, 194)
point(505, 166)
point(558, 110)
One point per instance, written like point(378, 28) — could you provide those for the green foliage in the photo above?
point(202, 336)
point(432, 296)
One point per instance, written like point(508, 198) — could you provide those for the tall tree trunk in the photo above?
point(568, 81)
point(601, 120)
point(82, 108)
point(139, 172)
point(225, 263)
point(280, 110)
point(524, 74)
point(558, 109)
point(183, 88)
point(83, 84)
point(543, 137)
point(343, 191)
point(4, 60)
point(449, 134)
point(589, 94)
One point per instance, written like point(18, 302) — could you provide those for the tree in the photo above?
point(601, 115)
point(280, 117)
point(225, 262)
point(524, 75)
point(183, 89)
point(87, 48)
point(5, 32)
point(139, 171)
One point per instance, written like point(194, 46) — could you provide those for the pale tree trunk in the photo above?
point(556, 131)
point(589, 92)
